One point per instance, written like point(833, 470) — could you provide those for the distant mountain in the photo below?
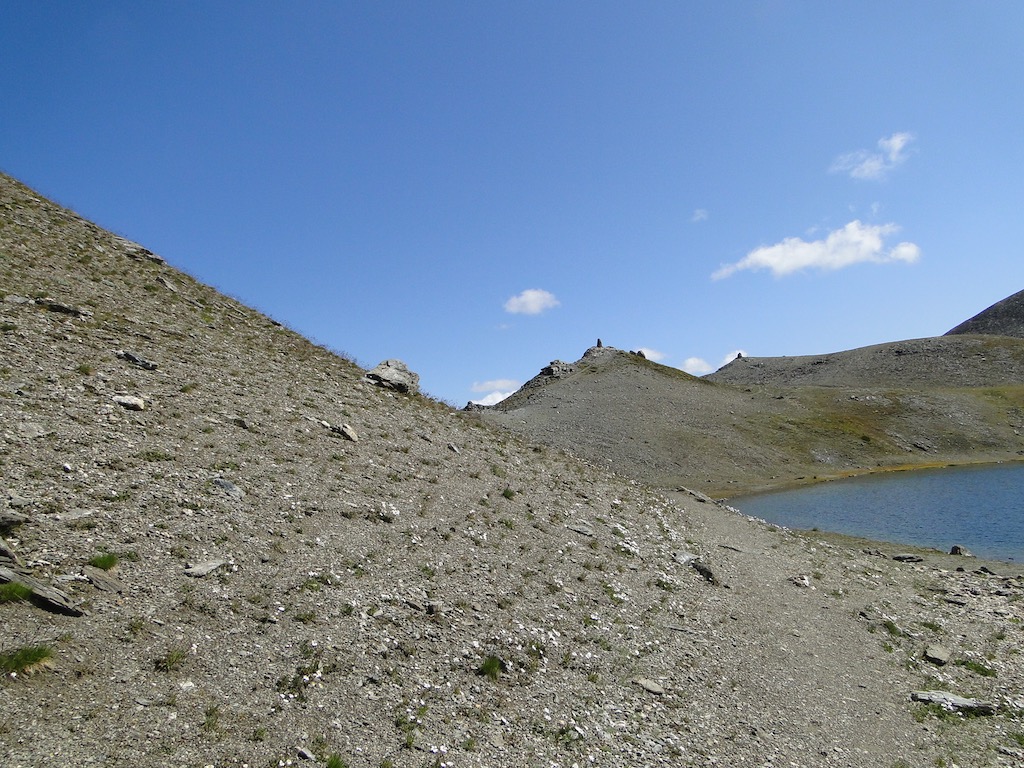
point(1004, 318)
point(762, 422)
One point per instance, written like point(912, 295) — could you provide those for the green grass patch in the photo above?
point(26, 660)
point(976, 667)
point(14, 592)
point(104, 561)
point(492, 668)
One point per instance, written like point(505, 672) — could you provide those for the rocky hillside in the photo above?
point(225, 546)
point(763, 422)
point(1004, 318)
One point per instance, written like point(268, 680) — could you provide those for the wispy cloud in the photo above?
point(853, 244)
point(698, 366)
point(532, 301)
point(874, 165)
point(700, 214)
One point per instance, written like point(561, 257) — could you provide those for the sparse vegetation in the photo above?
point(26, 660)
point(104, 561)
point(13, 591)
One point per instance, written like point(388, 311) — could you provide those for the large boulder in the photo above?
point(394, 374)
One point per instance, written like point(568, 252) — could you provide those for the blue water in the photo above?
point(978, 507)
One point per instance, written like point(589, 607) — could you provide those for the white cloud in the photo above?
point(853, 244)
point(731, 356)
point(492, 398)
point(493, 384)
point(697, 366)
point(700, 214)
point(532, 301)
point(873, 166)
point(653, 354)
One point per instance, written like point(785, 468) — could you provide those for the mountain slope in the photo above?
point(1004, 318)
point(433, 592)
point(763, 422)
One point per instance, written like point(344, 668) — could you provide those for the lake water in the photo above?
point(978, 507)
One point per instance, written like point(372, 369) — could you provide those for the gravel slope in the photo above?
point(284, 594)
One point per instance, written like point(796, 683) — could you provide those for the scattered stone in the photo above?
point(453, 448)
point(131, 402)
point(801, 580)
point(305, 754)
point(956, 549)
point(167, 284)
point(650, 686)
point(954, 703)
point(199, 570)
point(19, 502)
point(908, 558)
point(238, 421)
point(394, 374)
point(937, 654)
point(229, 488)
point(138, 360)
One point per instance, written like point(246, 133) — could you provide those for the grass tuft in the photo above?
point(14, 592)
point(27, 660)
point(104, 561)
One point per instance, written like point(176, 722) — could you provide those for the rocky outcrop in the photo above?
point(394, 374)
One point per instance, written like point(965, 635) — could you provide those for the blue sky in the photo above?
point(478, 188)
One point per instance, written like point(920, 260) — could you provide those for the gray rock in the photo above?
point(937, 654)
point(953, 702)
point(229, 488)
point(956, 549)
point(204, 569)
point(10, 519)
point(135, 359)
point(102, 580)
point(705, 571)
point(346, 431)
point(131, 402)
point(43, 595)
point(908, 558)
point(64, 309)
point(650, 686)
point(394, 374)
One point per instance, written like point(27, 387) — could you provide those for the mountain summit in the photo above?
point(1004, 318)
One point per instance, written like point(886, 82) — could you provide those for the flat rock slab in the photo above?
point(102, 580)
point(953, 702)
point(204, 569)
point(650, 686)
point(131, 402)
point(43, 595)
